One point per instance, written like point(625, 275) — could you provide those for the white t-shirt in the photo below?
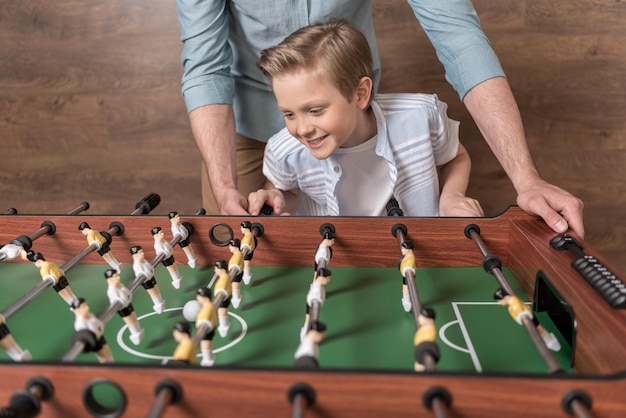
point(357, 197)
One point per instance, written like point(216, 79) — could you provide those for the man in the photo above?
point(232, 111)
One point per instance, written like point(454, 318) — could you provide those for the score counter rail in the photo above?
point(520, 241)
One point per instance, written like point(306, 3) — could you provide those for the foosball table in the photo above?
point(486, 364)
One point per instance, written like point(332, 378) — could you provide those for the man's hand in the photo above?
point(559, 209)
point(232, 202)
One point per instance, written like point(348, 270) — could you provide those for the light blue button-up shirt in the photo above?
point(223, 39)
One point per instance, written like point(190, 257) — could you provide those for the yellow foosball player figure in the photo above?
point(424, 341)
point(520, 310)
point(236, 263)
point(223, 287)
point(10, 346)
point(162, 246)
point(185, 352)
point(87, 323)
point(143, 267)
point(117, 292)
point(102, 245)
point(208, 318)
point(247, 246)
point(52, 273)
point(178, 228)
point(406, 264)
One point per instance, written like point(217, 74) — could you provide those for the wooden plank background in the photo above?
point(90, 104)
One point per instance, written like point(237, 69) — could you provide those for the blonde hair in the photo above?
point(337, 49)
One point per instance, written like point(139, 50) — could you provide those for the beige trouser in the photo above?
point(250, 176)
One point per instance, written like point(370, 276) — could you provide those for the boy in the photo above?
point(346, 153)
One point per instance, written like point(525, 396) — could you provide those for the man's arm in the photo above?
point(208, 92)
point(474, 71)
point(496, 114)
point(213, 128)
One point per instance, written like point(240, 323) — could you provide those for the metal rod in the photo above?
point(439, 407)
point(168, 392)
point(164, 398)
point(544, 351)
point(23, 300)
point(75, 350)
point(479, 242)
point(416, 306)
point(579, 409)
point(299, 405)
point(429, 363)
point(314, 311)
point(496, 271)
point(415, 300)
point(78, 257)
point(78, 209)
point(137, 281)
point(47, 227)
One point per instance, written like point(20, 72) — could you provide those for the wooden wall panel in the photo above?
point(90, 103)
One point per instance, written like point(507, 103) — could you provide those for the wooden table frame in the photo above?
point(519, 240)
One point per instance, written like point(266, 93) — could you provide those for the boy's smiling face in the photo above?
point(318, 115)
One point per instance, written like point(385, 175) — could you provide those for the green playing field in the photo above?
point(366, 325)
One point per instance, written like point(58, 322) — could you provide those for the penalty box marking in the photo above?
point(125, 347)
point(468, 341)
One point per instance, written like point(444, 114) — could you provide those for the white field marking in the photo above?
point(165, 359)
point(442, 336)
point(468, 340)
point(470, 350)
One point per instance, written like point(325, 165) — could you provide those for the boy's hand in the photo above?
point(273, 198)
point(459, 205)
